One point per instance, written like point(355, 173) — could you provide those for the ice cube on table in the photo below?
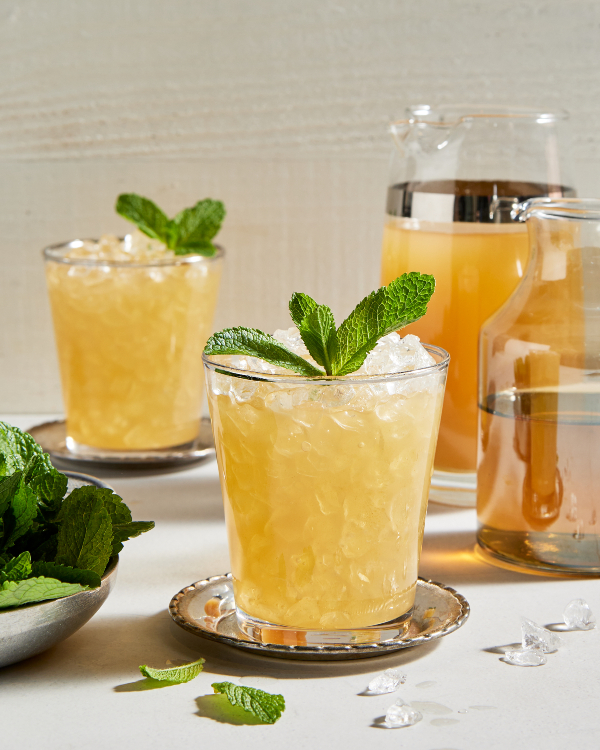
point(525, 657)
point(386, 682)
point(401, 714)
point(536, 637)
point(579, 616)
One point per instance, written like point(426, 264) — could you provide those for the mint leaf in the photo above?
point(85, 531)
point(18, 449)
point(265, 706)
point(8, 487)
point(14, 594)
point(65, 574)
point(194, 228)
point(50, 486)
point(255, 343)
point(116, 508)
point(145, 214)
point(383, 311)
point(17, 569)
point(20, 514)
point(191, 231)
point(124, 531)
point(318, 333)
point(176, 675)
point(301, 305)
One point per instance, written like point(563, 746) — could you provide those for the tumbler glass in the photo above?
point(325, 485)
point(129, 336)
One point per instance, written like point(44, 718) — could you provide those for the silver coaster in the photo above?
point(51, 436)
point(438, 611)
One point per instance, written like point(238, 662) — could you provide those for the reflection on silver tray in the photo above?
point(52, 435)
point(438, 611)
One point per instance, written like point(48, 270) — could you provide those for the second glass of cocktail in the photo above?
point(131, 316)
point(325, 483)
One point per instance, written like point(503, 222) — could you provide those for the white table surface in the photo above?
point(84, 693)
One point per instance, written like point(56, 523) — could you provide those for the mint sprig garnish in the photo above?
point(265, 706)
point(176, 675)
point(191, 231)
point(51, 545)
point(339, 351)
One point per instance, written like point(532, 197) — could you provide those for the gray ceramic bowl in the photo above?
point(31, 629)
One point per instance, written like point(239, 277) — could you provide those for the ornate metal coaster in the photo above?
point(207, 609)
point(51, 436)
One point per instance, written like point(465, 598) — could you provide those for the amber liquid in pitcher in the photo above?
point(477, 264)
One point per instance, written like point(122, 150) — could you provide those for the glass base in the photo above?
point(265, 632)
point(89, 451)
point(52, 436)
point(454, 488)
point(542, 552)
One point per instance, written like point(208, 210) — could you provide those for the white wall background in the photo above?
point(277, 107)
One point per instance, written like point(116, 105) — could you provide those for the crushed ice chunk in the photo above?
point(579, 616)
point(536, 637)
point(525, 657)
point(401, 714)
point(393, 353)
point(386, 682)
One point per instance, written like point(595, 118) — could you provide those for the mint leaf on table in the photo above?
point(124, 531)
point(16, 593)
point(190, 231)
point(177, 675)
point(265, 706)
point(255, 343)
point(65, 574)
point(17, 569)
point(85, 531)
point(342, 351)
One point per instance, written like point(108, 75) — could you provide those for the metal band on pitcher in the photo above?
point(477, 202)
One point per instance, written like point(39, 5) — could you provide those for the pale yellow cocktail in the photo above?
point(131, 320)
point(325, 485)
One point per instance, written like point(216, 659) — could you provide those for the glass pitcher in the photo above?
point(456, 173)
point(539, 400)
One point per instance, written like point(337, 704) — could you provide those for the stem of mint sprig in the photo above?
point(191, 231)
point(338, 351)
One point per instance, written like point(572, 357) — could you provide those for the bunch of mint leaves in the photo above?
point(52, 545)
point(191, 231)
point(339, 351)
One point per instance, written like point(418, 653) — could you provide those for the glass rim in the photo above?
point(579, 209)
point(350, 379)
point(421, 114)
point(53, 254)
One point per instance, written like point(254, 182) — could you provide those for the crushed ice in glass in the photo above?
point(386, 682)
point(391, 354)
point(579, 616)
point(525, 657)
point(536, 637)
point(401, 714)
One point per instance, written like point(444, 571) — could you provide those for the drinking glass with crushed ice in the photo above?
point(325, 483)
point(130, 319)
